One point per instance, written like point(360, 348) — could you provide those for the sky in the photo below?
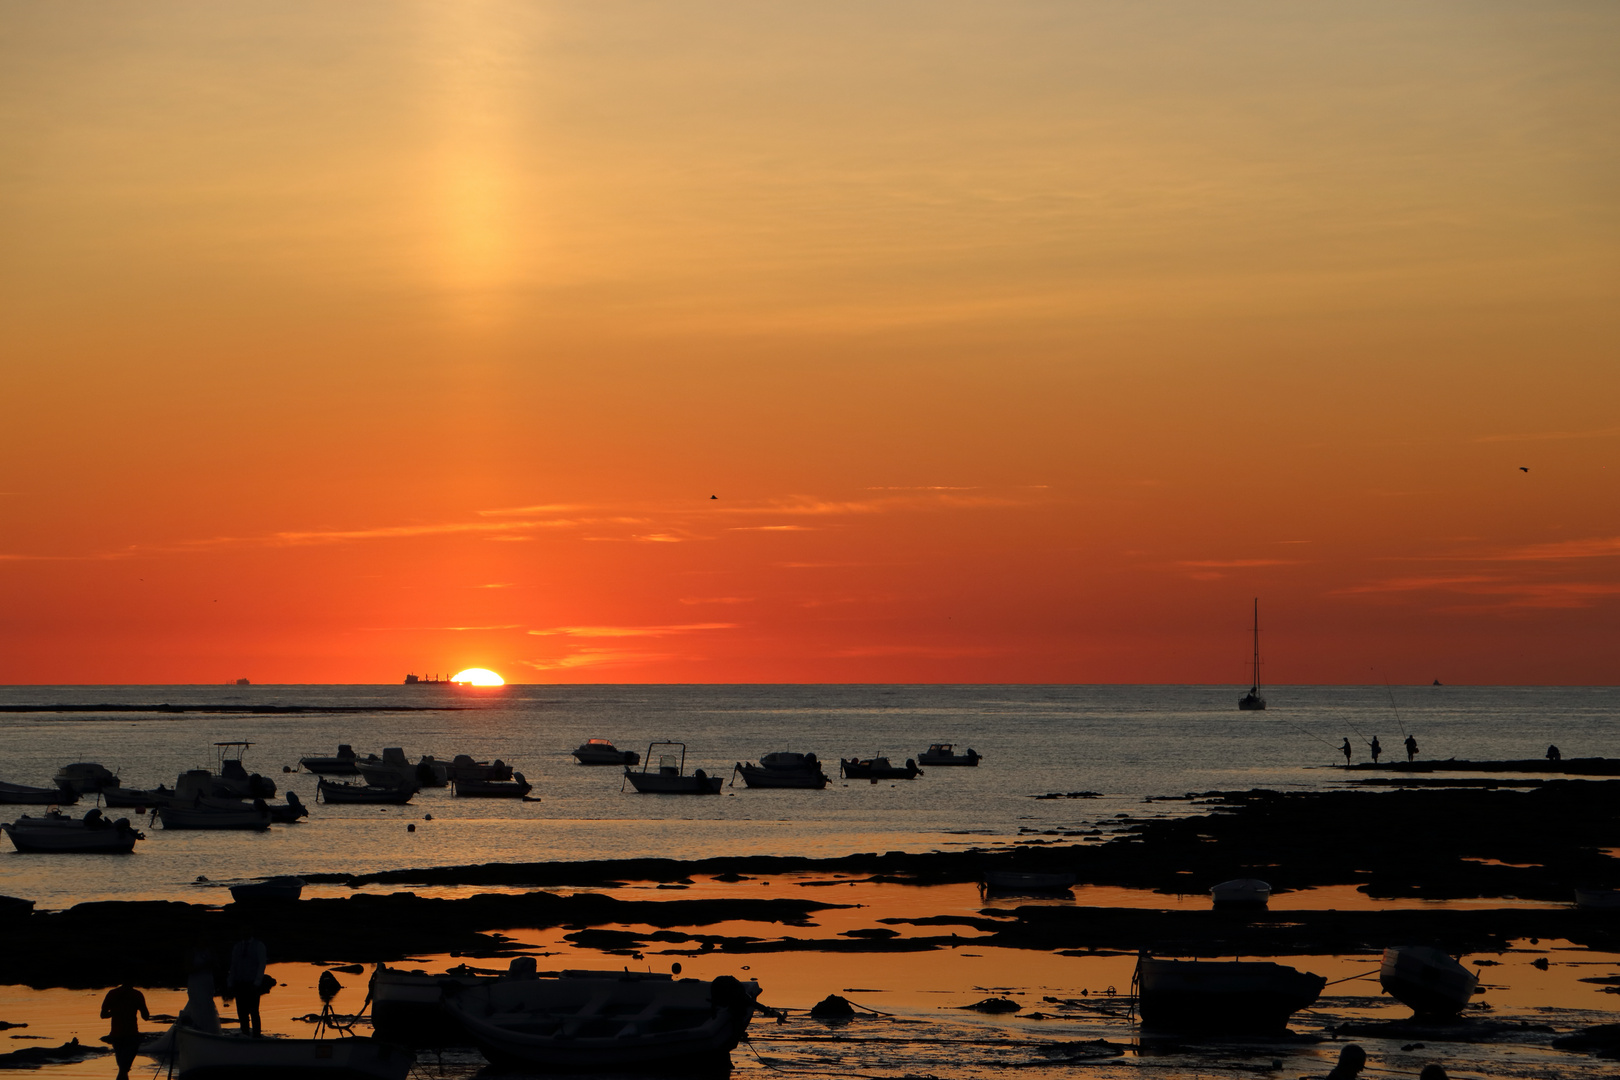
point(847, 342)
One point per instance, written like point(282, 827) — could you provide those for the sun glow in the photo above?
point(477, 676)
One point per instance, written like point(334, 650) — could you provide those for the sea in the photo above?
point(1118, 746)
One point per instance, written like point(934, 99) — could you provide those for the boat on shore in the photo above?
point(670, 777)
point(1247, 996)
point(338, 764)
point(23, 795)
point(782, 769)
point(58, 834)
point(944, 753)
point(1241, 893)
point(337, 791)
point(200, 1055)
point(1252, 701)
point(515, 788)
point(607, 1021)
point(1426, 979)
point(878, 768)
point(603, 752)
point(282, 889)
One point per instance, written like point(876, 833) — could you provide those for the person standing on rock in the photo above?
point(1411, 748)
point(1375, 748)
point(121, 1005)
point(246, 982)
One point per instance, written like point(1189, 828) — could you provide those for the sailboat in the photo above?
point(1252, 700)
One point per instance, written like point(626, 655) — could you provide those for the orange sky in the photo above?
point(1019, 342)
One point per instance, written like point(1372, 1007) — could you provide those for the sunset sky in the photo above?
point(1015, 342)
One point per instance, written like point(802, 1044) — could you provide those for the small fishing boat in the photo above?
point(202, 813)
point(140, 798)
point(85, 778)
point(1427, 979)
point(234, 781)
point(877, 768)
point(603, 752)
point(58, 834)
point(944, 753)
point(1252, 701)
point(1248, 996)
point(1241, 893)
point(336, 791)
point(1597, 899)
point(782, 769)
point(1026, 882)
point(464, 767)
point(407, 1007)
point(271, 890)
point(339, 764)
point(23, 795)
point(393, 769)
point(203, 1056)
point(607, 1021)
point(515, 788)
point(670, 777)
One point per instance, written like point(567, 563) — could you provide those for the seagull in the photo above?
point(1522, 468)
point(716, 496)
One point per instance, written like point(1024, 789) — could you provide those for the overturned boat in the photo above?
point(1428, 980)
point(607, 1021)
point(782, 769)
point(57, 834)
point(670, 777)
point(1245, 996)
point(203, 1056)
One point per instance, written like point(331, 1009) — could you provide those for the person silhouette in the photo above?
point(1553, 754)
point(1346, 749)
point(1352, 1059)
point(246, 982)
point(120, 1006)
point(1411, 748)
point(1375, 748)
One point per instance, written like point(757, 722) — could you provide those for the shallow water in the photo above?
point(1127, 743)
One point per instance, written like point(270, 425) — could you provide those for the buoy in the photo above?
point(411, 827)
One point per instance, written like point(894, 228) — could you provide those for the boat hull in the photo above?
point(363, 794)
point(947, 756)
point(651, 783)
point(23, 795)
point(877, 769)
point(1227, 996)
point(756, 776)
point(599, 755)
point(1427, 980)
point(136, 798)
point(490, 789)
point(202, 1056)
point(71, 839)
point(248, 818)
point(1241, 893)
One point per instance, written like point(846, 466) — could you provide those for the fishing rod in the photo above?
point(1390, 691)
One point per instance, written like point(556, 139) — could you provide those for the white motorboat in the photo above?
point(200, 813)
point(203, 1056)
point(56, 833)
point(603, 752)
point(601, 1021)
point(1427, 979)
point(944, 753)
point(1222, 995)
point(85, 777)
point(393, 769)
point(464, 767)
point(23, 795)
point(274, 889)
point(1241, 893)
point(670, 777)
point(783, 769)
point(339, 764)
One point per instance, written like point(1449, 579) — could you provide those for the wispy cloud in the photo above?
point(939, 652)
point(1593, 548)
point(632, 631)
point(589, 658)
point(717, 599)
point(1508, 592)
point(771, 528)
point(1234, 564)
point(1551, 436)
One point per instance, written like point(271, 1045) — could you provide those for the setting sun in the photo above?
point(477, 676)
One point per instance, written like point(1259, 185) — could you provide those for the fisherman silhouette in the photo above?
point(1375, 748)
point(1553, 754)
point(120, 1006)
point(1346, 749)
point(1352, 1059)
point(1411, 748)
point(246, 982)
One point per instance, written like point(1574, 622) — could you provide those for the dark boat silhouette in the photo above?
point(1252, 701)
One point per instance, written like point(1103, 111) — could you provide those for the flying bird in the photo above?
point(716, 496)
point(1522, 468)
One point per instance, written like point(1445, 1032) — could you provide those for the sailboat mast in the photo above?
point(1257, 644)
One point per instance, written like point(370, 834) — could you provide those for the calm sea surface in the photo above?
point(1125, 742)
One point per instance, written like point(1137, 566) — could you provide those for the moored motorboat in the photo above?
point(339, 764)
point(782, 769)
point(201, 813)
point(85, 778)
point(877, 768)
point(286, 813)
point(515, 788)
point(234, 781)
point(944, 753)
point(203, 1056)
point(1241, 893)
point(1026, 881)
point(23, 795)
point(670, 777)
point(1222, 995)
point(394, 769)
point(336, 791)
point(464, 767)
point(603, 752)
point(607, 1021)
point(1428, 980)
point(58, 834)
point(139, 798)
point(281, 889)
